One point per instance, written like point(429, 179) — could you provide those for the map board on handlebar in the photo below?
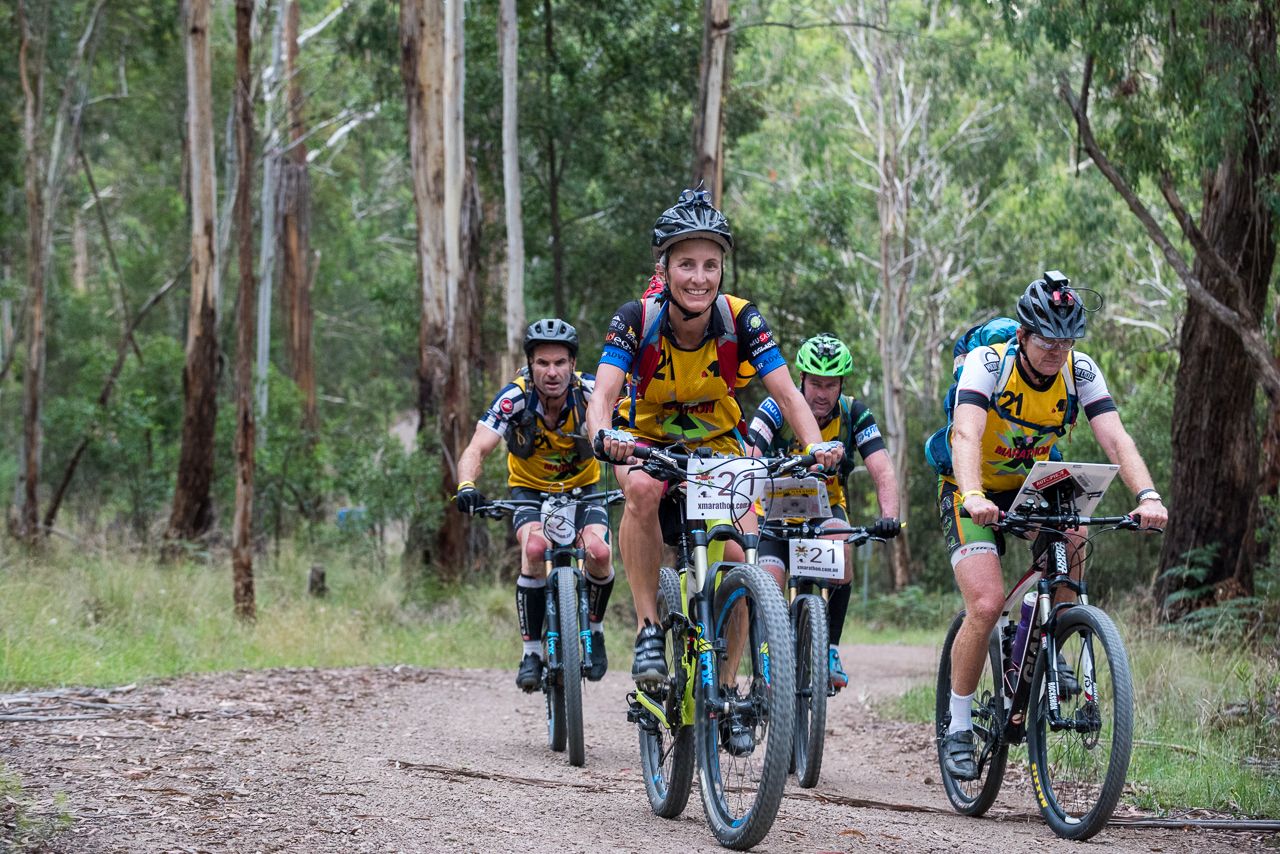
point(1088, 482)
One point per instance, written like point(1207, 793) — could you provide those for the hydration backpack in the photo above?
point(998, 330)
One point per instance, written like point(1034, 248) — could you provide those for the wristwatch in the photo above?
point(1148, 494)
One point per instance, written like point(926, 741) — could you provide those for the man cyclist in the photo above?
point(824, 361)
point(687, 349)
point(996, 436)
point(540, 415)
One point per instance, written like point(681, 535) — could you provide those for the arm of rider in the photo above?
point(1119, 447)
point(880, 467)
point(796, 412)
point(609, 381)
point(967, 425)
point(482, 443)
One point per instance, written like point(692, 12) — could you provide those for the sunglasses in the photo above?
point(1052, 343)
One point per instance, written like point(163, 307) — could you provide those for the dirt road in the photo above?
point(403, 759)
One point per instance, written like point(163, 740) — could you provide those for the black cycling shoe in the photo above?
point(1068, 684)
point(599, 659)
point(650, 663)
point(530, 672)
point(736, 737)
point(958, 751)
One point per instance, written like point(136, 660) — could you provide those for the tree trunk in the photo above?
point(192, 514)
point(554, 171)
point(1215, 447)
point(713, 79)
point(33, 371)
point(295, 223)
point(432, 54)
point(271, 84)
point(508, 50)
point(242, 525)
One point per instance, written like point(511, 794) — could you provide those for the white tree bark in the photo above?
point(271, 86)
point(508, 49)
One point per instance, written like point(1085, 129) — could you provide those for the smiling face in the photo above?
point(551, 367)
point(694, 269)
point(821, 393)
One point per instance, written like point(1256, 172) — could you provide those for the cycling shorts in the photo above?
point(963, 536)
point(588, 512)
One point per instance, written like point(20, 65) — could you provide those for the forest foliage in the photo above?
point(610, 89)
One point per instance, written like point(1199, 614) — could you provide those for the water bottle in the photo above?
point(1019, 648)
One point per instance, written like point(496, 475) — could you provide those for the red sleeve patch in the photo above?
point(506, 406)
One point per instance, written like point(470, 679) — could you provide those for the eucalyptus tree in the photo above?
point(1181, 98)
point(193, 512)
point(713, 80)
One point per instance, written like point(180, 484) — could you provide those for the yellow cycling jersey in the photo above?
point(550, 458)
point(684, 397)
point(1023, 423)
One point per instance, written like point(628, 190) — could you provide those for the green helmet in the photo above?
point(824, 355)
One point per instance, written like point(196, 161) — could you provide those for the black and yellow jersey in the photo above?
point(678, 395)
point(546, 452)
point(850, 422)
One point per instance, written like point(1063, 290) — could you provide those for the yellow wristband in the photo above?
point(465, 483)
point(968, 492)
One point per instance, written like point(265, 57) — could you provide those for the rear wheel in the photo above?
point(742, 783)
point(974, 797)
point(809, 613)
point(1079, 758)
point(571, 663)
point(666, 753)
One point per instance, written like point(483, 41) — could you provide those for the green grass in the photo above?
point(1206, 725)
point(67, 619)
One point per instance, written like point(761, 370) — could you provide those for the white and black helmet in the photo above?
point(692, 216)
point(1051, 308)
point(550, 330)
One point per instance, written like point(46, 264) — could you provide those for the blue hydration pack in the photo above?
point(997, 330)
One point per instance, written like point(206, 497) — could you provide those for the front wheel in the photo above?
point(743, 756)
point(666, 752)
point(1080, 754)
point(974, 797)
point(571, 664)
point(809, 613)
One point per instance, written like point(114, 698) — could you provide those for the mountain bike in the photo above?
point(1078, 720)
point(566, 634)
point(813, 567)
point(717, 693)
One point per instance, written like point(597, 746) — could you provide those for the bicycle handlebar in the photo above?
point(497, 508)
point(804, 530)
point(1014, 521)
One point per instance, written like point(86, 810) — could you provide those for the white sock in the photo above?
point(596, 627)
point(961, 713)
point(833, 647)
point(533, 646)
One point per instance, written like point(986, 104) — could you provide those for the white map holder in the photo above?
point(796, 498)
point(822, 559)
point(559, 521)
point(723, 488)
point(1091, 481)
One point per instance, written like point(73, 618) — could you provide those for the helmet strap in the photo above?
point(1037, 378)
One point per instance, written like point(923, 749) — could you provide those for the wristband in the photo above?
point(463, 484)
point(968, 492)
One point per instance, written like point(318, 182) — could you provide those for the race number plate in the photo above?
point(796, 498)
point(817, 559)
point(558, 522)
point(722, 489)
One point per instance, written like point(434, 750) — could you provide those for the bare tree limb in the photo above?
point(1199, 242)
point(121, 305)
point(1243, 325)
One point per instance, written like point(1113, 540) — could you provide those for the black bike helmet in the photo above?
point(1051, 308)
point(691, 216)
point(550, 330)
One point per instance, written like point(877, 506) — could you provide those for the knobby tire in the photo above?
point(810, 615)
point(571, 664)
point(666, 755)
point(1079, 775)
point(741, 794)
